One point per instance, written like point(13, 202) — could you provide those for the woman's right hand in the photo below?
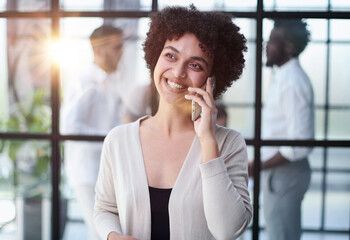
point(116, 236)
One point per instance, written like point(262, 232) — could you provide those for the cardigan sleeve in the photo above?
point(226, 201)
point(106, 216)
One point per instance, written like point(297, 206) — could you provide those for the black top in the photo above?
point(159, 198)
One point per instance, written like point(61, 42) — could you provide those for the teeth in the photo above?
point(175, 85)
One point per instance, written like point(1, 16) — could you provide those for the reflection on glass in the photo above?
point(99, 5)
point(25, 195)
point(25, 100)
point(25, 6)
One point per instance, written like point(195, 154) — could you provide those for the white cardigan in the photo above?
point(208, 201)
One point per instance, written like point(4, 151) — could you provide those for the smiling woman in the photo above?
point(195, 185)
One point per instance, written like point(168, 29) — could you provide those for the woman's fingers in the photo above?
point(201, 94)
point(205, 101)
point(198, 99)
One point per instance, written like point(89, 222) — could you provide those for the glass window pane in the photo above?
point(237, 5)
point(127, 95)
point(339, 74)
point(340, 5)
point(323, 236)
point(100, 5)
point(315, 54)
point(242, 120)
point(319, 123)
point(337, 201)
point(25, 189)
point(243, 90)
point(316, 158)
point(318, 29)
point(337, 27)
point(247, 28)
point(24, 5)
point(292, 5)
point(74, 225)
point(312, 203)
point(338, 125)
point(338, 158)
point(25, 79)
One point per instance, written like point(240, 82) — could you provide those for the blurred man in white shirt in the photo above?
point(93, 107)
point(288, 114)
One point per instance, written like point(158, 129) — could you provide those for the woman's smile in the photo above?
point(175, 85)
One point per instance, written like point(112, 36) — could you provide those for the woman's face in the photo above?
point(183, 63)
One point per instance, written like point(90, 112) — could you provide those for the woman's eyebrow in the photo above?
point(172, 48)
point(194, 57)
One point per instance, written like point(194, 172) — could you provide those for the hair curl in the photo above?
point(215, 30)
point(295, 32)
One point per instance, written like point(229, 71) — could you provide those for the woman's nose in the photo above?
point(179, 71)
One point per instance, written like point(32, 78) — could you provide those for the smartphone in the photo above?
point(196, 109)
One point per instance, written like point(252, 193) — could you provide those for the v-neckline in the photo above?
point(142, 161)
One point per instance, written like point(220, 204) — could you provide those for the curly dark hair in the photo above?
point(215, 30)
point(295, 31)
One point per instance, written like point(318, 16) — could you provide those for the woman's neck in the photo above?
point(173, 119)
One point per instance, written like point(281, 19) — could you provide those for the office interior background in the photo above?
point(44, 46)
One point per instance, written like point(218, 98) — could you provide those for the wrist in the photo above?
point(210, 149)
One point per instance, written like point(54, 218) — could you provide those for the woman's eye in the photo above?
point(195, 65)
point(171, 56)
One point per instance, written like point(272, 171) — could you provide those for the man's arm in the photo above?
point(276, 160)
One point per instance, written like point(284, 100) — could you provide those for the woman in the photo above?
point(167, 177)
